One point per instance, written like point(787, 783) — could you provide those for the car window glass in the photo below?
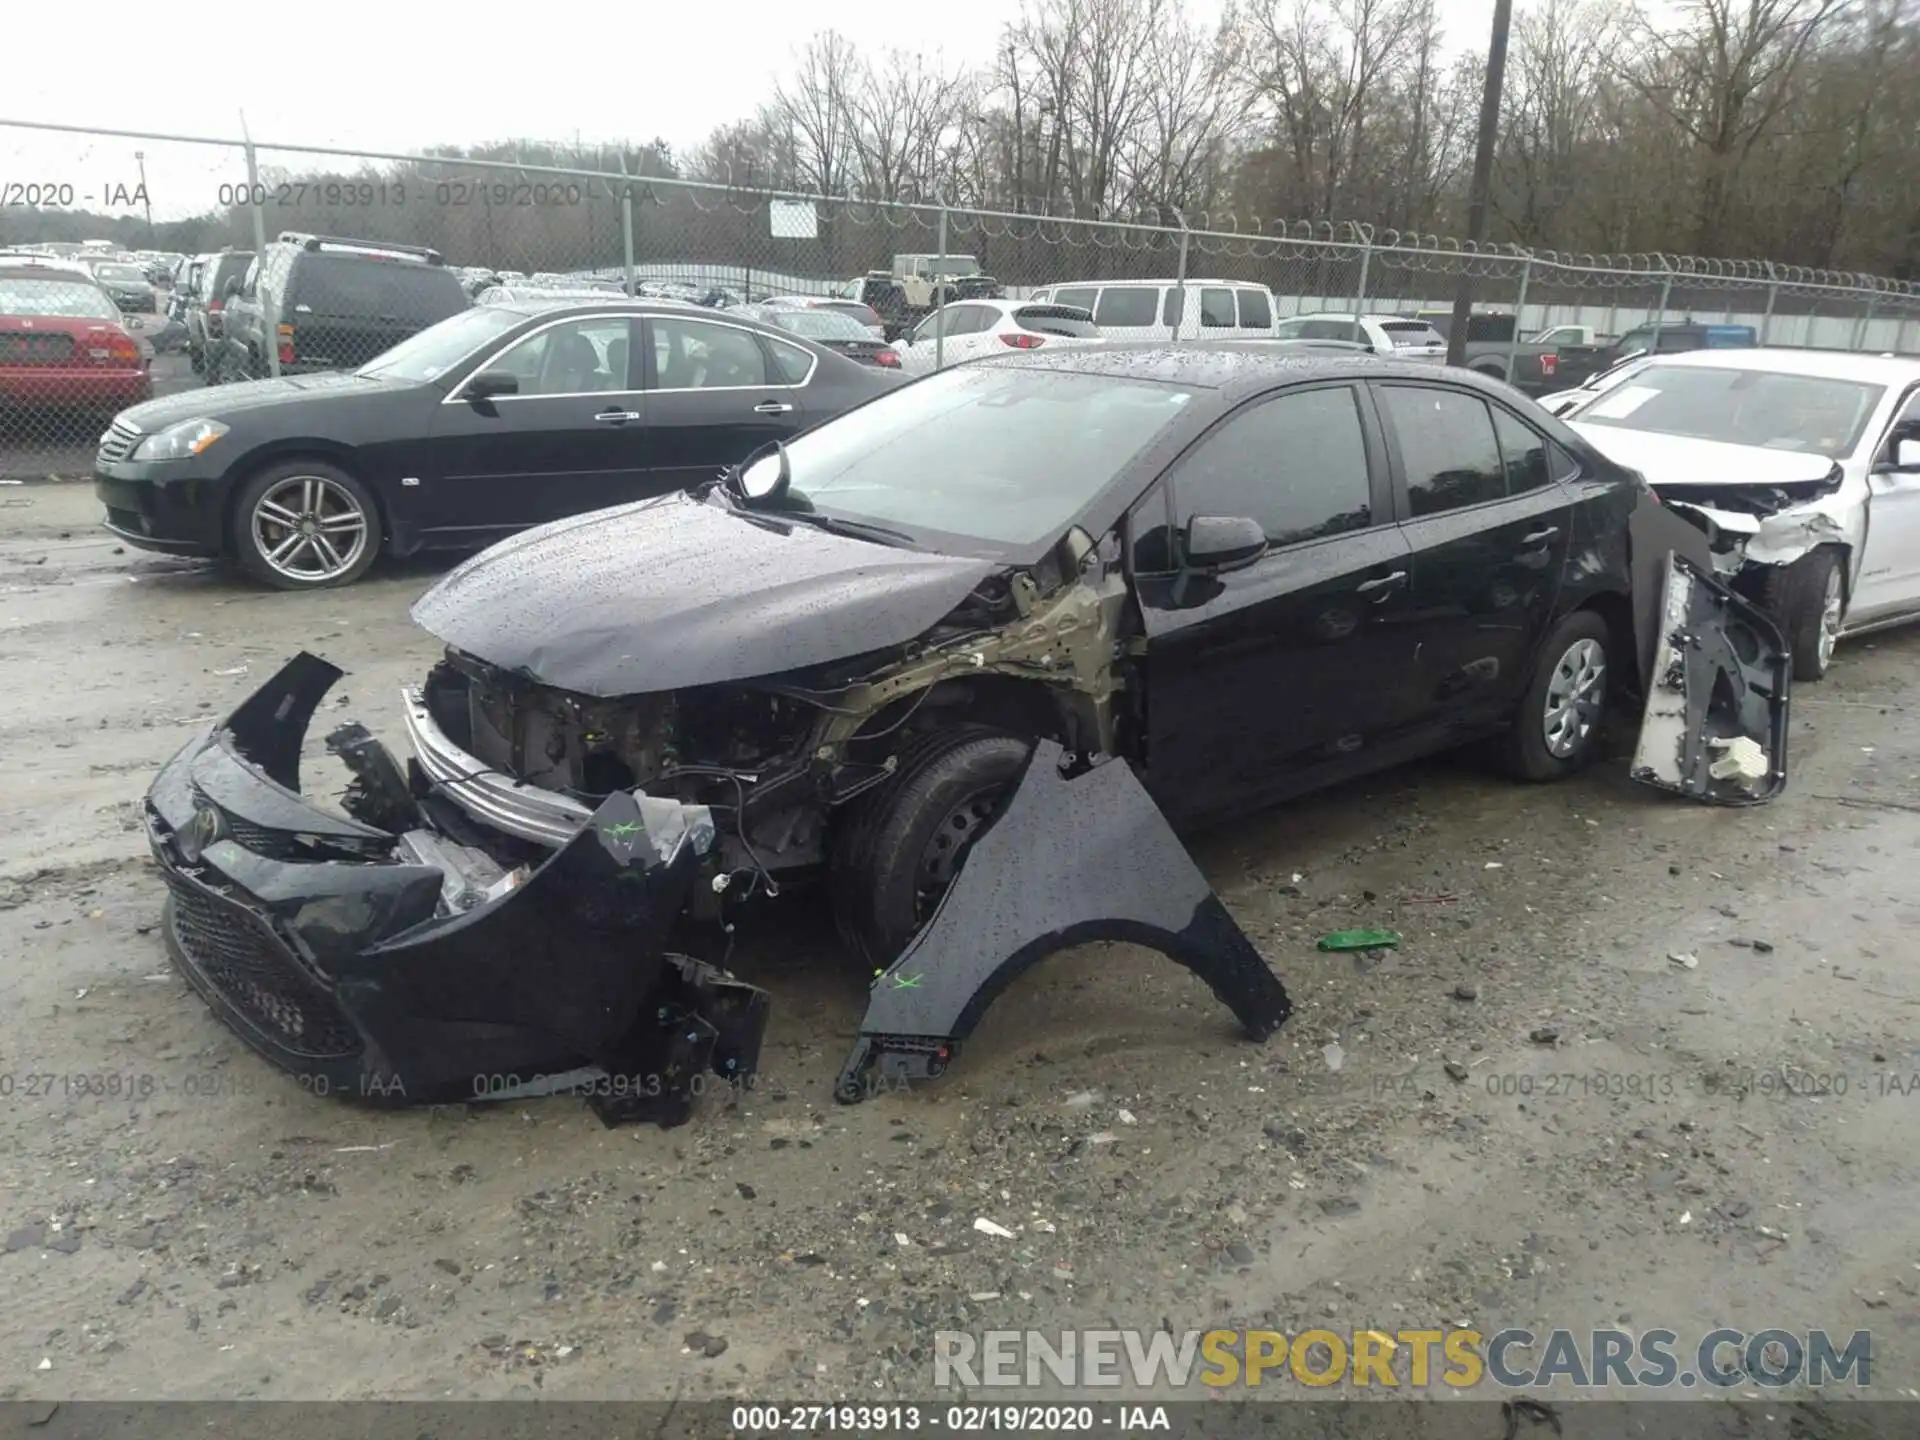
point(1255, 312)
point(1126, 305)
point(1447, 446)
point(574, 358)
point(696, 355)
point(1175, 305)
point(1524, 452)
point(1297, 464)
point(790, 362)
point(1216, 309)
point(1080, 295)
point(250, 285)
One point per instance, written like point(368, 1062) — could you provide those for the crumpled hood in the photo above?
point(674, 592)
point(1680, 460)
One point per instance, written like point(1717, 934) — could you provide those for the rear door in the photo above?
point(716, 392)
point(572, 439)
point(1273, 679)
point(1490, 527)
point(1888, 583)
point(345, 309)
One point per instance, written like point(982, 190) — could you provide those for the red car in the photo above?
point(63, 346)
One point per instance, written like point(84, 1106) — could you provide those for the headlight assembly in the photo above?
point(180, 442)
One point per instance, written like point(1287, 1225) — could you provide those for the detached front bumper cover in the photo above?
point(403, 965)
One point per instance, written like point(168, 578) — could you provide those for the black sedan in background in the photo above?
point(498, 418)
point(835, 329)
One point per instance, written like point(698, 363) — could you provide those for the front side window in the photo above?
point(1082, 296)
point(1216, 309)
point(1296, 463)
point(573, 358)
point(1126, 305)
point(1447, 447)
point(1806, 414)
point(1256, 313)
point(699, 355)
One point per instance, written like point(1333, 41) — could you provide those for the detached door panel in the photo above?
point(570, 441)
point(716, 393)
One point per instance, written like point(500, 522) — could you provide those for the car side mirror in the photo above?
point(1219, 543)
point(489, 383)
point(1906, 455)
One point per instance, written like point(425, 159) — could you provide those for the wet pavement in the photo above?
point(1635, 1062)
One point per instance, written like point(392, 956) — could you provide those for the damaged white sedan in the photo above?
point(1803, 468)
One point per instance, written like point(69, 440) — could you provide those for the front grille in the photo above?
point(237, 953)
point(118, 442)
point(34, 347)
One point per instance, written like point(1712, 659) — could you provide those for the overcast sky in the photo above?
point(397, 77)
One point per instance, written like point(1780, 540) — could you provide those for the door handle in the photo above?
point(1385, 582)
point(772, 407)
point(617, 417)
point(1540, 537)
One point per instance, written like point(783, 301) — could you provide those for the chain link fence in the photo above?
point(218, 261)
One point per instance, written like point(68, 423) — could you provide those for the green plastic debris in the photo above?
point(1359, 940)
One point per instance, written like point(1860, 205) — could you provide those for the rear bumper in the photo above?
point(408, 965)
point(51, 387)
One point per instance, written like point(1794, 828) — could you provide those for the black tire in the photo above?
point(1526, 752)
point(1797, 596)
point(897, 847)
point(258, 562)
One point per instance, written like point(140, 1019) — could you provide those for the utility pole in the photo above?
point(140, 159)
point(1482, 177)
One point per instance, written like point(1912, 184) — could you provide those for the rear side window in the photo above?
point(1056, 320)
point(1082, 296)
point(1527, 455)
point(1126, 305)
point(1412, 334)
point(1216, 309)
point(1447, 448)
point(1256, 313)
point(790, 362)
point(1296, 463)
point(387, 289)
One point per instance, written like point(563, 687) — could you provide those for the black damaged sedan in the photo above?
point(1029, 610)
point(496, 419)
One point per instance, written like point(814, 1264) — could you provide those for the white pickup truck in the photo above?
point(1569, 335)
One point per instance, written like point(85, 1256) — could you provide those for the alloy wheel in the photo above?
point(1576, 696)
point(310, 529)
point(1830, 611)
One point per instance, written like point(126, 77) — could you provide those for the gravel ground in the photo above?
point(1736, 1143)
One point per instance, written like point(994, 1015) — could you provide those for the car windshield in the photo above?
point(1807, 414)
point(821, 324)
point(68, 299)
point(1003, 456)
point(438, 348)
point(119, 272)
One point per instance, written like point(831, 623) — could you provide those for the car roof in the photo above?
point(1235, 373)
point(531, 304)
point(1376, 317)
point(1827, 364)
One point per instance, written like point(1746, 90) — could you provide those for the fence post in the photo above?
point(1519, 314)
point(1773, 295)
point(626, 223)
point(1366, 261)
point(256, 201)
point(1180, 286)
point(1861, 335)
point(1660, 314)
point(939, 337)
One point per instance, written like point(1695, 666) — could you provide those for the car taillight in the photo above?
point(286, 344)
point(1549, 364)
point(1021, 340)
point(119, 352)
point(886, 359)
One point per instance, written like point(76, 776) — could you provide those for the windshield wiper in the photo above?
point(839, 525)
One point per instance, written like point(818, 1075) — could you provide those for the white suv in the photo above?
point(1170, 309)
point(973, 329)
point(1393, 335)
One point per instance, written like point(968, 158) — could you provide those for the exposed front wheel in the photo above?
point(1557, 728)
point(306, 525)
point(901, 847)
point(1809, 600)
